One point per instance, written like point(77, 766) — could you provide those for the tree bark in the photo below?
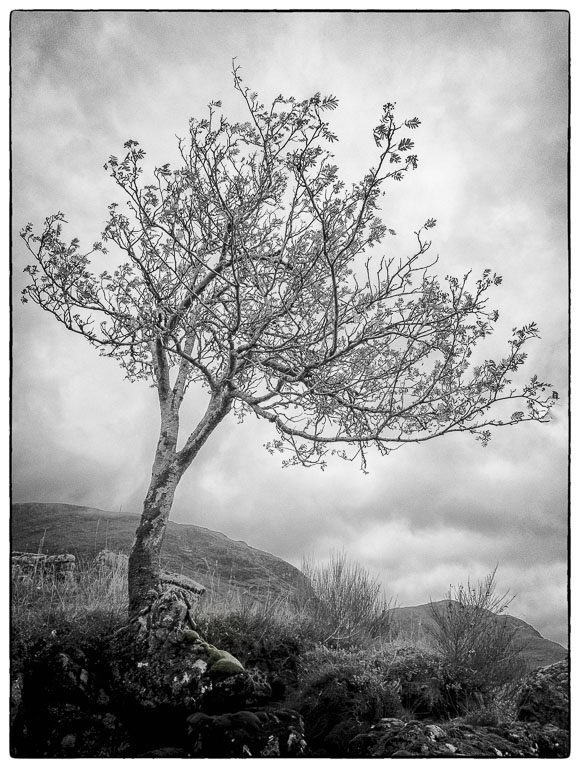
point(144, 568)
point(168, 469)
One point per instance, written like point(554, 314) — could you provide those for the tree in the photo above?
point(251, 272)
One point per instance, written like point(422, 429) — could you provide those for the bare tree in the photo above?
point(250, 272)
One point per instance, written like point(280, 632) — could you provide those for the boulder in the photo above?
point(545, 696)
point(161, 660)
point(274, 733)
point(275, 658)
point(64, 709)
point(134, 695)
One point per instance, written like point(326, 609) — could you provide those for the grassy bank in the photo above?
point(330, 650)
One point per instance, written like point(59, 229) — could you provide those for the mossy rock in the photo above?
point(222, 662)
point(226, 667)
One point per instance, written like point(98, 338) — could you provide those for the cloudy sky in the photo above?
point(491, 92)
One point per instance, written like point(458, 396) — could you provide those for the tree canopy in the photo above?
point(255, 272)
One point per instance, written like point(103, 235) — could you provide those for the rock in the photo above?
point(552, 741)
point(171, 580)
point(435, 732)
point(15, 697)
point(64, 711)
point(68, 742)
point(340, 701)
point(131, 694)
point(277, 733)
point(227, 694)
point(165, 752)
point(161, 660)
point(392, 737)
point(29, 566)
point(112, 561)
point(545, 696)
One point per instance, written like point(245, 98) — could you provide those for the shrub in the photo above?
point(341, 694)
point(477, 642)
point(344, 602)
point(267, 643)
point(427, 687)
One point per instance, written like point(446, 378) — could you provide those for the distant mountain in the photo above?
point(415, 621)
point(211, 558)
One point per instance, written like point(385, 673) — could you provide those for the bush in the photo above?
point(341, 694)
point(427, 687)
point(271, 644)
point(477, 642)
point(344, 602)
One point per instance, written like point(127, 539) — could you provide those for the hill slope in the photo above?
point(415, 622)
point(211, 558)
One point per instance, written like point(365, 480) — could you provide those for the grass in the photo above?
point(331, 650)
point(74, 612)
point(92, 588)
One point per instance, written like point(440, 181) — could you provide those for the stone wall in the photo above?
point(30, 566)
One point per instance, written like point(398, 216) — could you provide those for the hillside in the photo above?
point(415, 621)
point(209, 557)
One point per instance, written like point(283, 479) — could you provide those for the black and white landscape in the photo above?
point(462, 119)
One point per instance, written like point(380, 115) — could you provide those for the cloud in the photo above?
point(491, 92)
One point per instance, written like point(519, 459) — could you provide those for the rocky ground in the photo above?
point(158, 689)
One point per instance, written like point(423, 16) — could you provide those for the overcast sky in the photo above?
point(491, 92)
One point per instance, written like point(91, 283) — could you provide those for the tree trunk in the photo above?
point(168, 469)
point(144, 569)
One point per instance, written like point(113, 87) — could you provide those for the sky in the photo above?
point(491, 91)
